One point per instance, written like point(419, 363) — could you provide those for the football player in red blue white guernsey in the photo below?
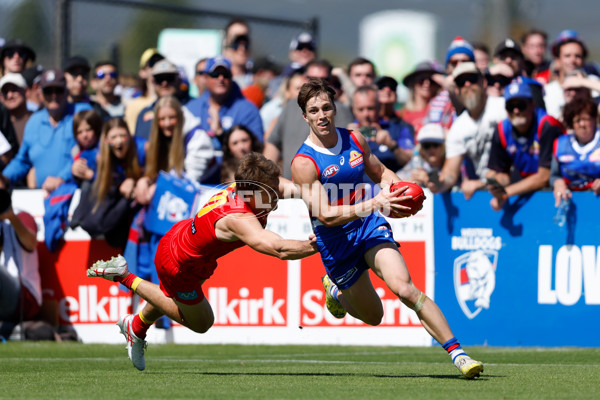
point(352, 236)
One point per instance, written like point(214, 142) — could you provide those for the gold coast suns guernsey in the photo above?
point(193, 242)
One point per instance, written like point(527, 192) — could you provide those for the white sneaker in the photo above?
point(468, 367)
point(111, 269)
point(135, 346)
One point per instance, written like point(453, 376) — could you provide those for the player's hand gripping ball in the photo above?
point(414, 190)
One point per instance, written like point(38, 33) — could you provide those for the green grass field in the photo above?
point(83, 371)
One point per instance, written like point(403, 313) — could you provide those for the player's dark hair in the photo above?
point(313, 88)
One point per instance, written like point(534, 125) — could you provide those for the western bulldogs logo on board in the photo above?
point(331, 171)
point(475, 270)
point(475, 280)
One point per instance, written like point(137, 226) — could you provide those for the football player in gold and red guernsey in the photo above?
point(187, 255)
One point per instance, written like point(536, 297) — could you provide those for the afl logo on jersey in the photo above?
point(331, 171)
point(356, 158)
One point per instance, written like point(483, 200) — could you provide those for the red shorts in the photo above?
point(182, 286)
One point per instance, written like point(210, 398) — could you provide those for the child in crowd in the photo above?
point(237, 142)
point(86, 129)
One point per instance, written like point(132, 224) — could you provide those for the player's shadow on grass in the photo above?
point(327, 374)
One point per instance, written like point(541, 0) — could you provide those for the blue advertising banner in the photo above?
point(515, 277)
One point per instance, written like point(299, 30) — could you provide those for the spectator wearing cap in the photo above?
point(15, 55)
point(391, 141)
point(521, 152)
point(48, 137)
point(303, 49)
point(423, 88)
point(470, 137)
point(166, 81)
point(104, 82)
point(147, 93)
point(223, 105)
point(12, 94)
point(32, 76)
point(509, 52)
point(534, 43)
point(446, 104)
point(426, 165)
point(77, 74)
point(569, 53)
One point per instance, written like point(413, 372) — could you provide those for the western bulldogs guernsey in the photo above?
point(579, 165)
point(341, 170)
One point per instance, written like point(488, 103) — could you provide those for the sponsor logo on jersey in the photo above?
point(188, 295)
point(566, 158)
point(331, 171)
point(595, 156)
point(356, 158)
point(342, 160)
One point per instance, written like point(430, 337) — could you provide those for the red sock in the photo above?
point(127, 281)
point(139, 327)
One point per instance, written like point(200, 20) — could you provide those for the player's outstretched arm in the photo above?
point(245, 227)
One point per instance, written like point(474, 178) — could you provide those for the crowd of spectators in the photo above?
point(510, 122)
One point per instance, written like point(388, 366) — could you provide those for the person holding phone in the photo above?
point(426, 165)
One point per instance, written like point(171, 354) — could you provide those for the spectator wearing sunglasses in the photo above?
point(446, 104)
point(522, 145)
point(16, 56)
point(147, 94)
point(303, 49)
point(509, 52)
point(223, 105)
point(426, 165)
point(48, 138)
point(497, 77)
point(104, 82)
point(167, 82)
point(12, 95)
point(77, 74)
point(470, 137)
point(423, 88)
